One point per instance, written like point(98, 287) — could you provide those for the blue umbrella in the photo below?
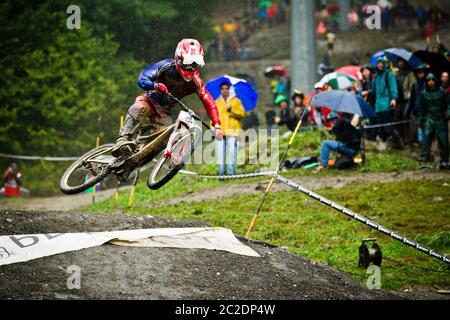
point(242, 89)
point(343, 101)
point(393, 54)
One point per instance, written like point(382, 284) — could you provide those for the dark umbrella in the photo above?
point(243, 75)
point(343, 101)
point(437, 62)
point(248, 77)
point(394, 53)
point(270, 72)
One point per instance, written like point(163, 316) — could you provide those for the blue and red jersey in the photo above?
point(165, 72)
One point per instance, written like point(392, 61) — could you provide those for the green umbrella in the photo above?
point(280, 98)
point(339, 81)
point(264, 4)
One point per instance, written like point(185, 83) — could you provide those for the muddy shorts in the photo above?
point(152, 115)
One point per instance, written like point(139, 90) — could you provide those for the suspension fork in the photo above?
point(167, 152)
point(175, 133)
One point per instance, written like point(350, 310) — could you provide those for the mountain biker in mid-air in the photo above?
point(179, 77)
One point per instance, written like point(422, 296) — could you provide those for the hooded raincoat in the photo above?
point(434, 112)
point(384, 88)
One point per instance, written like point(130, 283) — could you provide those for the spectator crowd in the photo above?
point(411, 106)
point(231, 37)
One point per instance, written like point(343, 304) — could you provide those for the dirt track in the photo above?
point(57, 203)
point(115, 272)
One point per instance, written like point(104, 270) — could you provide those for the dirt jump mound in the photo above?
point(118, 272)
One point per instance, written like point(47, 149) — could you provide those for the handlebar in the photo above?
point(185, 108)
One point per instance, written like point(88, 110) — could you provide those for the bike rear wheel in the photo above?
point(167, 167)
point(88, 170)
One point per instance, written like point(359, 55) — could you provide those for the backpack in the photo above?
point(344, 162)
point(298, 163)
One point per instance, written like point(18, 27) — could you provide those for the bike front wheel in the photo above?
point(167, 167)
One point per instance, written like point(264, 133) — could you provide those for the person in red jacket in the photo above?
point(179, 77)
point(319, 115)
point(12, 179)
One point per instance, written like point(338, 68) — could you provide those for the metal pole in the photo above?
point(266, 192)
point(97, 144)
point(344, 6)
point(364, 220)
point(303, 45)
point(116, 194)
point(133, 189)
point(363, 151)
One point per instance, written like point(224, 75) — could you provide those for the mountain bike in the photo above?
point(173, 145)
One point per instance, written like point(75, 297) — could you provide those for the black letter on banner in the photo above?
point(17, 241)
point(50, 237)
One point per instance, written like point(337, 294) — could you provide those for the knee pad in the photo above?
point(138, 112)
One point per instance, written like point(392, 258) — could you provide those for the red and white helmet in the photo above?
point(189, 58)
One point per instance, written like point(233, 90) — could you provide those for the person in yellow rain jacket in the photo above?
point(231, 114)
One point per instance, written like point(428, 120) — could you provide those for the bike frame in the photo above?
point(154, 147)
point(162, 140)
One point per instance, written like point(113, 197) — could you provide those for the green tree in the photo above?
point(60, 88)
point(65, 94)
point(150, 29)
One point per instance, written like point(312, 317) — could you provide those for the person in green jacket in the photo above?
point(385, 93)
point(434, 112)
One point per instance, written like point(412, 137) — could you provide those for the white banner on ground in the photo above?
point(20, 248)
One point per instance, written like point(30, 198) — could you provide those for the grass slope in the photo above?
point(419, 210)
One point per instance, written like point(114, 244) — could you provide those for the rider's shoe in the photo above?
point(123, 148)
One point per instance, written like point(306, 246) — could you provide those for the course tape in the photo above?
point(12, 156)
point(19, 157)
point(373, 126)
point(231, 177)
point(390, 124)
